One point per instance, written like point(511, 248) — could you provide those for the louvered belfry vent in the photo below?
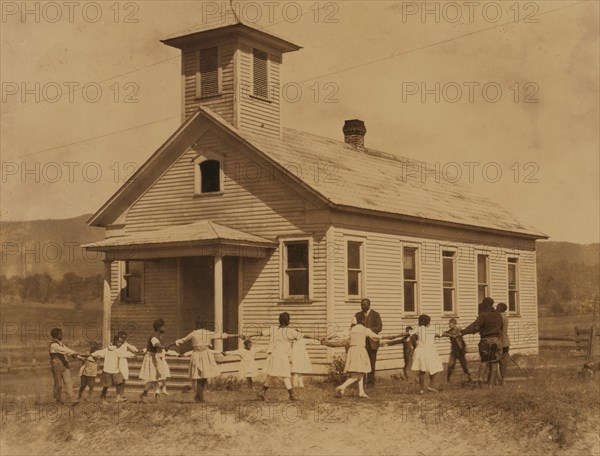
point(260, 74)
point(209, 71)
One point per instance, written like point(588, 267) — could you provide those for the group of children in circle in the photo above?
point(287, 358)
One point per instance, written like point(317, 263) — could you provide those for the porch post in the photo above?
point(218, 300)
point(107, 303)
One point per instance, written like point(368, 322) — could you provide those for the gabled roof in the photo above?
point(371, 180)
point(367, 181)
point(192, 233)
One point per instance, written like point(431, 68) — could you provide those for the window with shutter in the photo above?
point(260, 74)
point(208, 72)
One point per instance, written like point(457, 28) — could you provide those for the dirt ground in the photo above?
point(547, 410)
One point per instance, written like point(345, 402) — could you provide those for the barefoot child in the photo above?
point(409, 343)
point(88, 373)
point(426, 358)
point(202, 362)
point(458, 349)
point(154, 368)
point(111, 375)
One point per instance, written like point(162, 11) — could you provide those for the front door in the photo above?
point(198, 297)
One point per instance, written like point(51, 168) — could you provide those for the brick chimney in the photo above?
point(354, 133)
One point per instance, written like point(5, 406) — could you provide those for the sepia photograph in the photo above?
point(353, 227)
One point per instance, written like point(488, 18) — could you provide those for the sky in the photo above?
point(502, 96)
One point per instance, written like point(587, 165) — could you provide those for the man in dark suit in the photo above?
point(373, 322)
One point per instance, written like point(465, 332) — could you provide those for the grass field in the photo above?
point(564, 325)
point(547, 410)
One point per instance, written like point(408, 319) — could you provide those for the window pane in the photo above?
point(134, 288)
point(354, 255)
point(481, 293)
point(134, 267)
point(448, 270)
point(298, 283)
point(210, 171)
point(410, 270)
point(448, 299)
point(512, 301)
point(353, 283)
point(260, 74)
point(297, 255)
point(512, 275)
point(482, 268)
point(209, 72)
point(409, 296)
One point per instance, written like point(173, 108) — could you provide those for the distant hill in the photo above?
point(550, 252)
point(49, 246)
point(568, 277)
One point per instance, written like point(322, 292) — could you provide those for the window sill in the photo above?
point(257, 97)
point(208, 97)
point(296, 301)
point(132, 303)
point(353, 300)
point(208, 194)
point(449, 315)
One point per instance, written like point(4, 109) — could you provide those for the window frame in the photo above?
point(283, 276)
point(123, 284)
point(454, 311)
point(514, 260)
point(487, 284)
point(362, 283)
point(198, 95)
point(416, 281)
point(197, 161)
point(253, 94)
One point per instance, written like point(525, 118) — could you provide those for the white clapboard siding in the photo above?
point(257, 114)
point(265, 207)
point(383, 278)
point(222, 104)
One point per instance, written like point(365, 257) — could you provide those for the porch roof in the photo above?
point(193, 234)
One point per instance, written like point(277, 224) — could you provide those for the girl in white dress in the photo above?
point(357, 358)
point(202, 362)
point(154, 370)
point(280, 353)
point(426, 358)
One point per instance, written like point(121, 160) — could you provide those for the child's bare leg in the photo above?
point(361, 387)
point(295, 380)
point(431, 383)
point(353, 378)
point(422, 381)
point(103, 393)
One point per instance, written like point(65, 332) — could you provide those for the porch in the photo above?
point(177, 273)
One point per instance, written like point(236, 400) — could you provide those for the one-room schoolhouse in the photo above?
point(236, 218)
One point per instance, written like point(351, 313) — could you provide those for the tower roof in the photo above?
point(225, 24)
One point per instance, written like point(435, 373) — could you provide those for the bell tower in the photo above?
point(234, 70)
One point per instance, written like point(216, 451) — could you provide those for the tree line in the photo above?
point(44, 288)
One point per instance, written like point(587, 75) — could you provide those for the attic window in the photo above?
point(208, 72)
point(210, 176)
point(260, 74)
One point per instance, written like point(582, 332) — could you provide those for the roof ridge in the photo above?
point(211, 224)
